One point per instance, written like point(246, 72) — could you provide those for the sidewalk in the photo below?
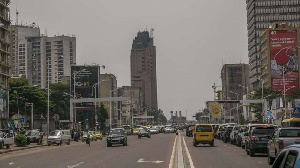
point(30, 146)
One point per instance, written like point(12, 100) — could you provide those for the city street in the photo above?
point(139, 153)
point(145, 152)
point(223, 155)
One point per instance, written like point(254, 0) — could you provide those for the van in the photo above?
point(203, 134)
point(59, 136)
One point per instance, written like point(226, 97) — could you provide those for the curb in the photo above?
point(20, 148)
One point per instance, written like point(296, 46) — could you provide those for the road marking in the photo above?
point(76, 165)
point(259, 162)
point(143, 161)
point(11, 163)
point(188, 154)
point(173, 154)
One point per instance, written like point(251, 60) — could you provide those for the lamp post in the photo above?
point(284, 93)
point(31, 104)
point(110, 107)
point(16, 92)
point(247, 97)
point(237, 105)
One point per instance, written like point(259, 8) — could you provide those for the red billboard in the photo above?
point(284, 60)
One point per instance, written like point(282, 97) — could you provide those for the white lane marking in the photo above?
point(259, 162)
point(11, 163)
point(143, 161)
point(173, 154)
point(76, 165)
point(188, 154)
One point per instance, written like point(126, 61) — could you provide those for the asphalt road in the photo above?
point(139, 153)
point(223, 155)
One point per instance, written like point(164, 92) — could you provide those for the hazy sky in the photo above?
point(192, 38)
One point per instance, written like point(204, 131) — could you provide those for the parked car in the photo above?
point(239, 136)
point(153, 131)
point(233, 134)
point(168, 130)
point(34, 136)
point(189, 130)
point(215, 126)
point(288, 157)
point(143, 133)
point(203, 134)
point(226, 134)
point(257, 140)
point(246, 133)
point(220, 131)
point(282, 138)
point(116, 136)
point(59, 137)
point(8, 138)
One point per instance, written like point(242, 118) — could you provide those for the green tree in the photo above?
point(103, 116)
point(269, 95)
point(60, 100)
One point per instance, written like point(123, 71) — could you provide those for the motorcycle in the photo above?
point(88, 141)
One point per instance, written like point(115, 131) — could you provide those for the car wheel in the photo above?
point(149, 136)
point(69, 142)
point(252, 153)
point(243, 146)
point(270, 159)
point(1, 145)
point(212, 144)
point(7, 146)
point(194, 143)
point(108, 144)
point(48, 144)
point(139, 136)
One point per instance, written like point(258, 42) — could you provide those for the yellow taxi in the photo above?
point(127, 129)
point(203, 134)
point(98, 135)
point(135, 131)
point(92, 135)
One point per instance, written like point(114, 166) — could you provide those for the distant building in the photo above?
point(132, 107)
point(4, 63)
point(49, 57)
point(108, 88)
point(143, 67)
point(235, 80)
point(18, 35)
point(261, 14)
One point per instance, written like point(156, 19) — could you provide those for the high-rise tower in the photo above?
point(143, 67)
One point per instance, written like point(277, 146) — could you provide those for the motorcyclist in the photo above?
point(88, 140)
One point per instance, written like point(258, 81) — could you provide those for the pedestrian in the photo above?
point(88, 141)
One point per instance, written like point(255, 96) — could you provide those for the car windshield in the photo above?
point(191, 127)
point(289, 133)
point(126, 127)
point(97, 132)
point(33, 133)
point(143, 130)
point(116, 131)
point(263, 130)
point(204, 128)
point(54, 133)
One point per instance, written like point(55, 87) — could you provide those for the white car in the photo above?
point(169, 130)
point(59, 137)
point(153, 131)
point(7, 138)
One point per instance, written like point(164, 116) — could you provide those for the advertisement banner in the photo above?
point(215, 111)
point(85, 79)
point(284, 60)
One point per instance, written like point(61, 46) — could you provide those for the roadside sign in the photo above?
point(21, 120)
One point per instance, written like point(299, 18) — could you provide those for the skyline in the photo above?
point(178, 35)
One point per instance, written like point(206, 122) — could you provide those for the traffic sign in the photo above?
point(21, 120)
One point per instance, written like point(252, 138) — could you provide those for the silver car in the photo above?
point(59, 137)
point(282, 138)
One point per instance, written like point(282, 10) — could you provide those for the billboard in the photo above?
point(85, 79)
point(215, 109)
point(284, 59)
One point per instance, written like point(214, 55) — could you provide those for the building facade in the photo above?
point(235, 80)
point(49, 57)
point(4, 62)
point(261, 14)
point(18, 35)
point(108, 88)
point(143, 67)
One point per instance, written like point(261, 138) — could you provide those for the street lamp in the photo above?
point(110, 107)
point(237, 98)
point(16, 92)
point(284, 93)
point(247, 97)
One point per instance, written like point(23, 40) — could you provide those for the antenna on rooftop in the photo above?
point(17, 17)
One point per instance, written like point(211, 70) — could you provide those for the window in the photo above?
point(279, 160)
point(290, 159)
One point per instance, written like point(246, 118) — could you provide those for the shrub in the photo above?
point(21, 140)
